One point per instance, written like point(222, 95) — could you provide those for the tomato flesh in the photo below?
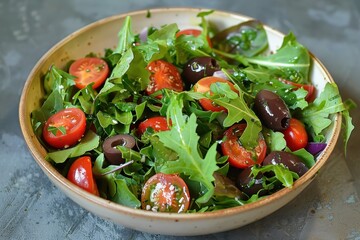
point(80, 173)
point(165, 193)
point(163, 75)
point(203, 86)
point(295, 135)
point(158, 123)
point(238, 155)
point(89, 70)
point(65, 128)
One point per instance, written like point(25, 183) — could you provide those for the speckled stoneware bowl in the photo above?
point(103, 34)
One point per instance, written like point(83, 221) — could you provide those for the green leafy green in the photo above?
point(182, 138)
point(88, 143)
point(247, 38)
point(126, 36)
point(317, 115)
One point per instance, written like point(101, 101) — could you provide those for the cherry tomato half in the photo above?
point(158, 123)
point(295, 135)
point(239, 156)
point(309, 88)
point(163, 75)
point(194, 32)
point(165, 193)
point(203, 86)
point(65, 128)
point(80, 173)
point(89, 70)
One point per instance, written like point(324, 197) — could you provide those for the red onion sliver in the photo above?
point(314, 148)
point(220, 74)
point(144, 34)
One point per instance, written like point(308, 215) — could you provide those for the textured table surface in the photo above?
point(32, 208)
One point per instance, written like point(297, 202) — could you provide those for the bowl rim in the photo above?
point(38, 152)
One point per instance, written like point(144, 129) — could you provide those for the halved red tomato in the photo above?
point(165, 193)
point(308, 87)
point(89, 70)
point(80, 173)
point(164, 75)
point(295, 135)
point(65, 128)
point(203, 86)
point(238, 155)
point(194, 32)
point(158, 123)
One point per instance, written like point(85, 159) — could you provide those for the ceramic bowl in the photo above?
point(103, 34)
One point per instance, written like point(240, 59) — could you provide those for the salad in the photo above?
point(187, 120)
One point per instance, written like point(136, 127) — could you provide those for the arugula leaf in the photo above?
point(117, 186)
point(189, 46)
point(306, 157)
point(239, 110)
point(275, 141)
point(247, 38)
point(282, 173)
point(52, 105)
point(316, 115)
point(61, 81)
point(347, 125)
point(291, 55)
point(126, 37)
point(54, 129)
point(88, 143)
point(183, 139)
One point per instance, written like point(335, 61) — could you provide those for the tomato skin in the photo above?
point(89, 70)
point(203, 86)
point(309, 88)
point(163, 75)
point(238, 156)
point(158, 123)
point(165, 193)
point(194, 32)
point(295, 135)
point(80, 173)
point(74, 122)
point(189, 31)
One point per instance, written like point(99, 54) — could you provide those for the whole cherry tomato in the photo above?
point(295, 135)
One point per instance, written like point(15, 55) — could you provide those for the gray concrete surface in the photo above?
point(32, 208)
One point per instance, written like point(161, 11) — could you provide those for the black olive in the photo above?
point(272, 110)
point(292, 162)
point(249, 184)
point(112, 154)
point(198, 68)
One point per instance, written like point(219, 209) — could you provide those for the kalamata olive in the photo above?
point(112, 154)
point(272, 110)
point(292, 162)
point(198, 68)
point(249, 184)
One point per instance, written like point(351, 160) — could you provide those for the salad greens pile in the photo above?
point(190, 147)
